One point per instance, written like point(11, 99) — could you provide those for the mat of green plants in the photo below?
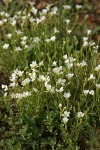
point(49, 78)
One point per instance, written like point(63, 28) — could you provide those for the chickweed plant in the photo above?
point(52, 100)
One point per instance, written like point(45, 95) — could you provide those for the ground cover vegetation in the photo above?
point(49, 78)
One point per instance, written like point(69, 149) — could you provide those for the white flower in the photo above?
point(56, 31)
point(71, 59)
point(5, 94)
point(82, 64)
point(18, 49)
point(24, 38)
point(53, 38)
point(67, 6)
point(54, 11)
point(57, 70)
point(69, 31)
point(4, 20)
point(54, 63)
point(26, 81)
point(33, 64)
point(98, 86)
point(12, 84)
point(47, 40)
point(65, 56)
point(18, 32)
point(97, 68)
point(35, 90)
point(59, 90)
point(5, 87)
point(48, 86)
point(42, 78)
point(32, 76)
point(61, 81)
point(41, 63)
point(23, 43)
point(85, 39)
point(20, 73)
point(13, 23)
point(70, 75)
point(53, 89)
point(86, 92)
point(42, 18)
point(9, 36)
point(13, 77)
point(31, 19)
point(65, 120)
point(67, 21)
point(69, 65)
point(85, 44)
point(34, 10)
point(66, 95)
point(78, 6)
point(1, 22)
point(2, 13)
point(5, 46)
point(44, 11)
point(91, 92)
point(66, 114)
point(80, 114)
point(36, 40)
point(88, 32)
point(91, 43)
point(60, 105)
point(91, 77)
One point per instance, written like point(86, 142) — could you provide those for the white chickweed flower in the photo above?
point(60, 105)
point(70, 75)
point(78, 6)
point(97, 68)
point(66, 6)
point(80, 114)
point(5, 46)
point(67, 21)
point(33, 64)
point(92, 77)
point(36, 39)
point(65, 120)
point(91, 92)
point(54, 63)
point(66, 95)
point(26, 81)
point(9, 36)
point(86, 92)
point(98, 86)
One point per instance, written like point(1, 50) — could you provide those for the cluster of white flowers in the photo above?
point(17, 73)
point(91, 92)
point(65, 116)
point(21, 95)
point(61, 74)
point(82, 64)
